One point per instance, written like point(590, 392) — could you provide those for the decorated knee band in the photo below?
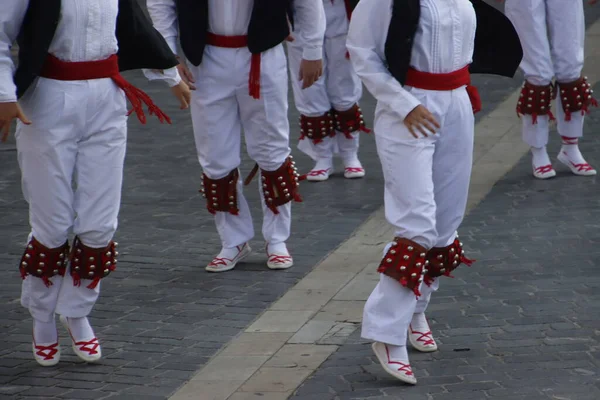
point(405, 262)
point(444, 260)
point(42, 262)
point(316, 128)
point(221, 194)
point(280, 186)
point(92, 263)
point(535, 101)
point(350, 121)
point(576, 96)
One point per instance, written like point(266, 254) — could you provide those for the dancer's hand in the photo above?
point(182, 92)
point(8, 112)
point(420, 119)
point(310, 72)
point(186, 75)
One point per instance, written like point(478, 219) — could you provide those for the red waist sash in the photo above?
point(237, 42)
point(449, 81)
point(109, 68)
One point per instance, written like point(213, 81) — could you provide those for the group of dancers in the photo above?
point(414, 56)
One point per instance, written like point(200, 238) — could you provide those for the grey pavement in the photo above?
point(161, 317)
point(522, 323)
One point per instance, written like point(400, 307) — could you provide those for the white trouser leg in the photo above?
point(267, 132)
point(217, 132)
point(99, 177)
point(566, 26)
point(425, 206)
point(344, 89)
point(529, 18)
point(311, 102)
point(47, 151)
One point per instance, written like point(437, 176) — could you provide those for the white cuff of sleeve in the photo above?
point(312, 53)
point(170, 76)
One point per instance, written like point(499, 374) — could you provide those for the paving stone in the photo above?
point(161, 295)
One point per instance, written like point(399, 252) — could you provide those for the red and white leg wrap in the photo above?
point(576, 96)
point(444, 260)
point(42, 262)
point(535, 101)
point(281, 186)
point(316, 128)
point(92, 263)
point(221, 194)
point(350, 121)
point(404, 262)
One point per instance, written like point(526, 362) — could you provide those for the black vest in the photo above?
point(140, 45)
point(497, 50)
point(268, 26)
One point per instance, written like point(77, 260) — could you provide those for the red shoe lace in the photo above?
point(220, 261)
point(403, 367)
point(317, 172)
point(583, 167)
point(51, 351)
point(354, 169)
point(580, 167)
point(279, 259)
point(544, 169)
point(83, 346)
point(425, 337)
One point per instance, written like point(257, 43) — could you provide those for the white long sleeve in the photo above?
point(310, 23)
point(366, 44)
point(164, 17)
point(11, 18)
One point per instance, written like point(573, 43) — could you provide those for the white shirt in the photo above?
point(85, 32)
point(232, 17)
point(443, 43)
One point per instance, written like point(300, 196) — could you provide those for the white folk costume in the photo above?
point(552, 33)
point(234, 51)
point(68, 84)
point(419, 52)
point(330, 119)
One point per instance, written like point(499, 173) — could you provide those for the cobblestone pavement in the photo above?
point(161, 317)
point(522, 323)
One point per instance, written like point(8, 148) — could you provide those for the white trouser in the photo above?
point(78, 133)
point(221, 107)
point(339, 86)
point(426, 189)
point(552, 34)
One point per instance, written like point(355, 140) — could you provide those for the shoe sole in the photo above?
point(278, 266)
point(90, 360)
point(390, 371)
point(567, 164)
point(244, 254)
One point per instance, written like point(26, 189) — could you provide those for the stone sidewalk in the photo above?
point(162, 320)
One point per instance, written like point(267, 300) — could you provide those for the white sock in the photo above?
point(540, 156)
point(44, 333)
point(398, 353)
point(571, 149)
point(323, 164)
point(419, 323)
point(352, 161)
point(278, 248)
point(230, 252)
point(80, 329)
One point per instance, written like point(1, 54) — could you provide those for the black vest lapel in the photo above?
point(35, 37)
point(193, 26)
